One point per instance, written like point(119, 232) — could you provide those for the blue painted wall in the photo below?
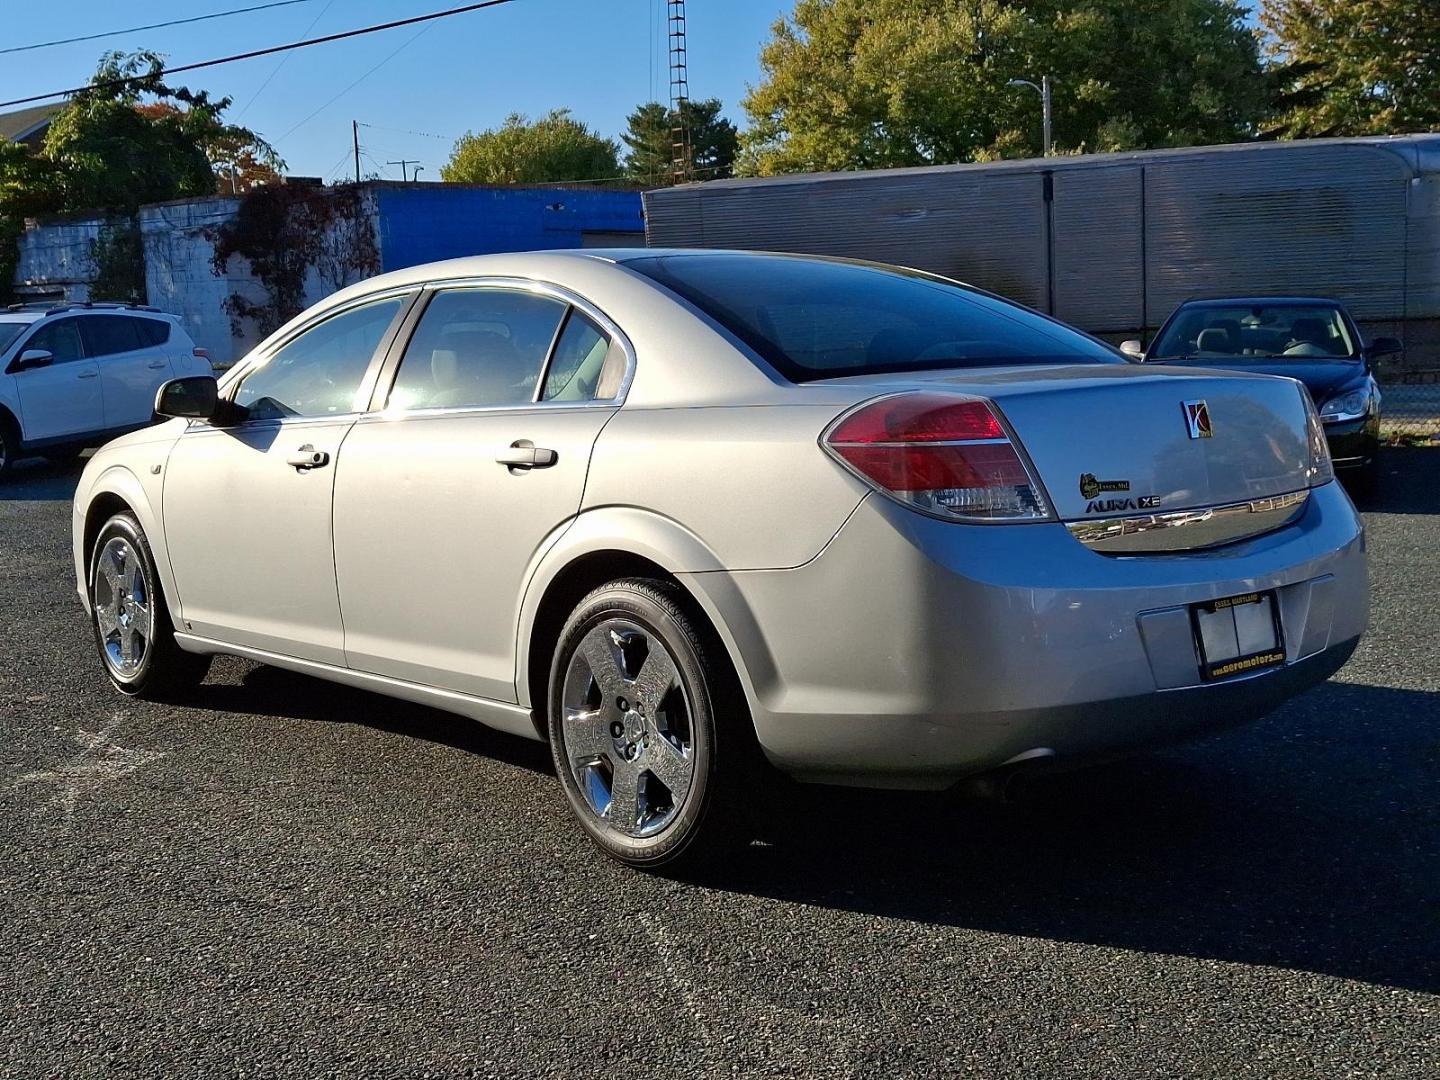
point(421, 223)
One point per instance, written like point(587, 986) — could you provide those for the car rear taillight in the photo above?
point(203, 354)
point(943, 454)
point(1320, 470)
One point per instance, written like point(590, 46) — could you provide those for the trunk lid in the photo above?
point(1113, 441)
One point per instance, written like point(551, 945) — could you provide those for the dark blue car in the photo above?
point(1307, 338)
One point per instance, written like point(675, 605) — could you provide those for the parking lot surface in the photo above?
point(289, 878)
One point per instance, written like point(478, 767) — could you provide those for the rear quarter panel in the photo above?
point(750, 483)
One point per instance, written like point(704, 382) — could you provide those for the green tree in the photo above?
point(1355, 67)
point(116, 151)
point(874, 83)
point(649, 135)
point(554, 148)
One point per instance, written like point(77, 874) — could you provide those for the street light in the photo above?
point(1044, 91)
point(416, 175)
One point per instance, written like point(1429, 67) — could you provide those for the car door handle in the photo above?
point(156, 364)
point(523, 454)
point(307, 457)
point(87, 375)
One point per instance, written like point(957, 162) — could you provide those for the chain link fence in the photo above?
point(1410, 407)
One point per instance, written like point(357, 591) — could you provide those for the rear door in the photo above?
point(64, 398)
point(445, 496)
point(131, 369)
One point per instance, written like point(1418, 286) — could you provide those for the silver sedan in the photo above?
point(693, 517)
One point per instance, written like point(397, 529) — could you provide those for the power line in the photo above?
point(272, 50)
point(282, 61)
point(398, 50)
point(408, 131)
point(153, 26)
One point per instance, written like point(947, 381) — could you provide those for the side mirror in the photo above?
point(194, 398)
point(33, 358)
point(1384, 346)
point(1134, 347)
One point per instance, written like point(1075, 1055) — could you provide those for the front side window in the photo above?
point(319, 372)
point(106, 335)
point(9, 331)
point(821, 319)
point(477, 347)
point(60, 338)
point(1241, 332)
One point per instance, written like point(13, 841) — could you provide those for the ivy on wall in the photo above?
point(284, 232)
point(119, 257)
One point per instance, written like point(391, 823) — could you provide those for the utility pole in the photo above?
point(1045, 112)
point(355, 137)
point(405, 164)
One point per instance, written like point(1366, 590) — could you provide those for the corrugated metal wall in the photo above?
point(1099, 250)
point(1328, 220)
point(986, 229)
point(1133, 234)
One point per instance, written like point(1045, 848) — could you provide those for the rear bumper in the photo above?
point(912, 652)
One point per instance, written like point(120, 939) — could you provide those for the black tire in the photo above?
point(9, 442)
point(162, 671)
point(725, 764)
point(1363, 483)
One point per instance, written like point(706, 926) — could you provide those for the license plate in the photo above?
point(1238, 634)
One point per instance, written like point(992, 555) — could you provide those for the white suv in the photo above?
point(76, 375)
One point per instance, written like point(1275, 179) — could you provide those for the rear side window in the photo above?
point(60, 338)
point(818, 319)
point(587, 363)
point(152, 332)
point(318, 373)
point(106, 335)
point(477, 347)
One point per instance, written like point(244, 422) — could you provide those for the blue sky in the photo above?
point(597, 57)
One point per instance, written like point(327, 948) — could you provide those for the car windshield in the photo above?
point(9, 331)
point(820, 319)
point(1254, 332)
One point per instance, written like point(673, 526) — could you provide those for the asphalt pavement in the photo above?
point(287, 878)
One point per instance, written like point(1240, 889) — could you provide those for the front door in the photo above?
point(63, 398)
point(247, 506)
point(444, 499)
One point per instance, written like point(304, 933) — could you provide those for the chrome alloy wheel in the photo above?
point(627, 728)
point(122, 607)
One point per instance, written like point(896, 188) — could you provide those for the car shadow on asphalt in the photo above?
point(41, 480)
point(260, 690)
point(1310, 840)
point(1407, 481)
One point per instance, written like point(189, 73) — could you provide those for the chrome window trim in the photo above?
point(541, 288)
point(1152, 534)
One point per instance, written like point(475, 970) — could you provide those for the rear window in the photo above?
point(818, 319)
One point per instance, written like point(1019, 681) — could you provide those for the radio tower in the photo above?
point(681, 153)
